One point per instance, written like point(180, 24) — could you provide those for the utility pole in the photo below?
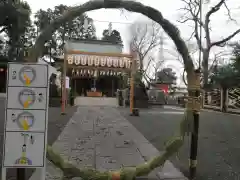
point(161, 54)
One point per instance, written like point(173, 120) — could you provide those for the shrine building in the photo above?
point(95, 68)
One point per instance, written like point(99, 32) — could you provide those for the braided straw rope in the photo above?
point(193, 102)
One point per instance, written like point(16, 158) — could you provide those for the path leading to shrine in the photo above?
point(219, 145)
point(101, 138)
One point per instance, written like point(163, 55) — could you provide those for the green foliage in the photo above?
point(15, 22)
point(115, 36)
point(236, 57)
point(166, 76)
point(138, 77)
point(228, 75)
point(73, 29)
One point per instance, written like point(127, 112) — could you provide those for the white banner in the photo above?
point(67, 82)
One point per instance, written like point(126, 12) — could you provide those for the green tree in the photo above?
point(78, 32)
point(42, 19)
point(236, 57)
point(223, 75)
point(190, 15)
point(73, 29)
point(166, 76)
point(14, 21)
point(228, 75)
point(114, 37)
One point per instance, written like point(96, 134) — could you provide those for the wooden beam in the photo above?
point(89, 77)
point(99, 68)
point(72, 52)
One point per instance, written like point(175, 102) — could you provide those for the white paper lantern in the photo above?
point(103, 61)
point(77, 59)
point(84, 60)
point(115, 62)
point(109, 62)
point(70, 59)
point(128, 65)
point(121, 62)
point(97, 61)
point(90, 60)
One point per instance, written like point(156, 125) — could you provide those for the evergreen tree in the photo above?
point(228, 75)
point(72, 29)
point(114, 37)
point(14, 21)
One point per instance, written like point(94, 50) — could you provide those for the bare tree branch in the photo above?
point(149, 62)
point(229, 13)
point(192, 9)
point(145, 37)
point(207, 21)
point(219, 43)
point(191, 36)
point(191, 13)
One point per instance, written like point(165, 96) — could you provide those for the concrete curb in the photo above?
point(127, 149)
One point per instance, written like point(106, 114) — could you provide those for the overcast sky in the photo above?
point(169, 8)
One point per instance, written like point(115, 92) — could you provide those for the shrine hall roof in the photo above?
point(95, 41)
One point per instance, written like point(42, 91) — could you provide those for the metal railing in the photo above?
point(212, 99)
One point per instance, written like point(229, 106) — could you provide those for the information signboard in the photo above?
point(25, 133)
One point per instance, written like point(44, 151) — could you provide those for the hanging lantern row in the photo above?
point(87, 60)
point(95, 73)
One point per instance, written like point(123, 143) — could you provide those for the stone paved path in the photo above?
point(101, 138)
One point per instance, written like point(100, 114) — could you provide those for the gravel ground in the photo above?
point(56, 123)
point(219, 147)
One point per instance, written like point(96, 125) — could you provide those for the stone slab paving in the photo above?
point(101, 138)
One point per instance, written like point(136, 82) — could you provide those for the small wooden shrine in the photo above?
point(92, 71)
